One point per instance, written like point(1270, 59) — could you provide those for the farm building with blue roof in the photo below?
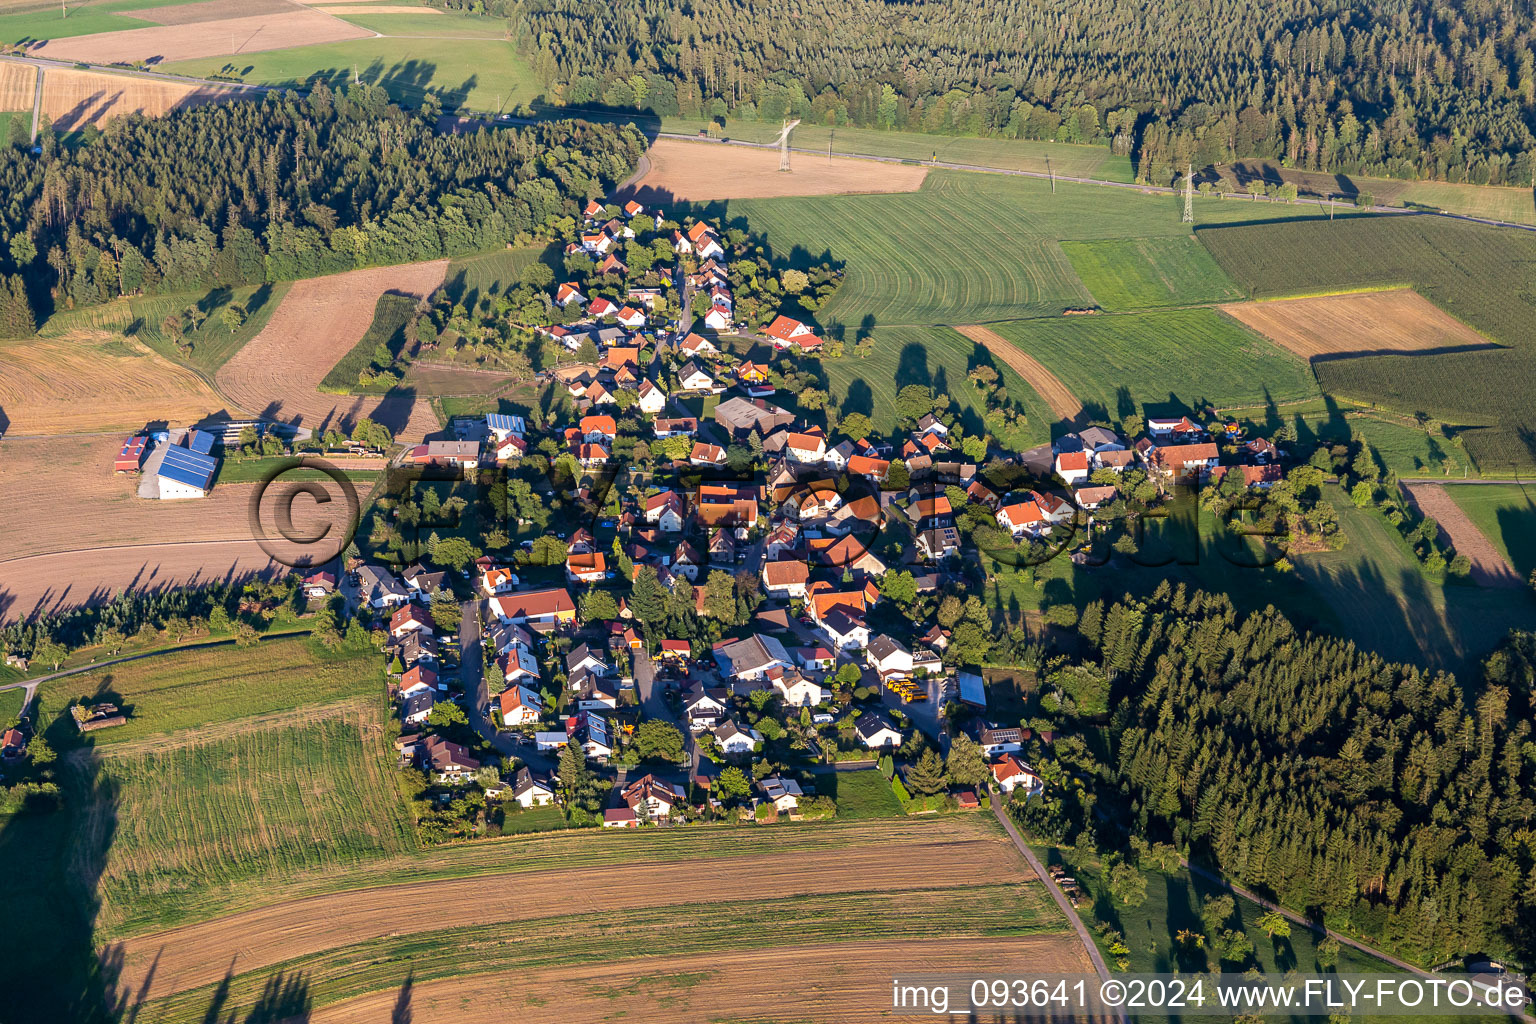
point(184, 473)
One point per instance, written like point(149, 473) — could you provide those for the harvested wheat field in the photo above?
point(201, 954)
point(1398, 322)
point(64, 501)
point(837, 982)
point(40, 584)
point(18, 84)
point(1062, 402)
point(96, 381)
point(73, 99)
point(294, 26)
point(319, 321)
point(1489, 567)
point(350, 7)
point(212, 10)
point(700, 171)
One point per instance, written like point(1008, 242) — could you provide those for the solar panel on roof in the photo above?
point(188, 467)
point(201, 441)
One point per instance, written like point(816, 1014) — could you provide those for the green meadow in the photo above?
point(1143, 363)
point(1506, 515)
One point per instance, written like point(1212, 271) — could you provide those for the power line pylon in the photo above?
point(789, 126)
point(1189, 194)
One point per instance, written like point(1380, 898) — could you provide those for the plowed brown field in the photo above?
point(697, 171)
point(76, 532)
point(73, 99)
point(39, 584)
point(1489, 567)
point(276, 374)
point(1062, 402)
point(95, 381)
point(294, 26)
point(848, 981)
point(200, 954)
point(1366, 323)
point(212, 10)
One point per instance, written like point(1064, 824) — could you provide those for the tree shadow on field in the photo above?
point(858, 399)
point(912, 368)
point(53, 851)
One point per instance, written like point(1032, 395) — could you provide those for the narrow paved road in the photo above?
point(37, 103)
point(477, 696)
point(1055, 890)
point(653, 702)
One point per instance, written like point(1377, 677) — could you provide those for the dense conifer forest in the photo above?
point(1396, 803)
point(1406, 88)
point(287, 188)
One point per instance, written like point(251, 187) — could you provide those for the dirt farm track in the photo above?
point(845, 982)
point(201, 954)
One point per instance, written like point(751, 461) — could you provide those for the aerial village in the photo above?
point(831, 570)
point(828, 574)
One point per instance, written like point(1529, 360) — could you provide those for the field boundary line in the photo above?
point(95, 665)
point(183, 738)
point(1489, 566)
point(1046, 384)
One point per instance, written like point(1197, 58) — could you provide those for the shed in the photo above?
point(131, 456)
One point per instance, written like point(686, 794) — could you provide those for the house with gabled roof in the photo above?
point(660, 799)
point(449, 761)
point(749, 659)
point(520, 705)
point(733, 739)
point(876, 731)
point(668, 510)
point(568, 293)
point(531, 790)
point(380, 589)
point(591, 568)
point(788, 333)
point(706, 455)
point(1074, 467)
point(630, 317)
point(410, 618)
point(1011, 773)
point(652, 399)
point(549, 607)
point(785, 580)
point(674, 426)
point(889, 657)
point(691, 377)
point(695, 345)
point(704, 709)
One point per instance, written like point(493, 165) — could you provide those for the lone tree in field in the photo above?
point(1128, 885)
point(1275, 925)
